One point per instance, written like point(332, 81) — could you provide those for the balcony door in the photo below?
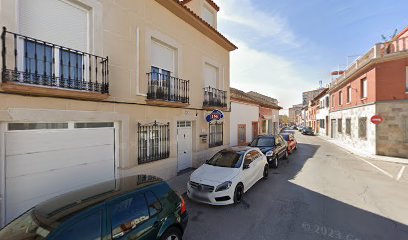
point(163, 68)
point(65, 27)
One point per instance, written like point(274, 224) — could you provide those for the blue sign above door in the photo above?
point(215, 116)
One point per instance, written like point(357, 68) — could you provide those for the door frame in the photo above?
point(191, 128)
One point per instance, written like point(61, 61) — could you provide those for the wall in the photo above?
point(122, 30)
point(391, 80)
point(368, 145)
point(242, 113)
point(321, 114)
point(356, 100)
point(392, 134)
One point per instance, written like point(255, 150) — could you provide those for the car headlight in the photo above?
point(223, 186)
point(269, 153)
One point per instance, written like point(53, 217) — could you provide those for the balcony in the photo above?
point(166, 90)
point(392, 49)
point(35, 67)
point(214, 98)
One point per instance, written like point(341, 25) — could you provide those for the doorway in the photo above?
point(184, 145)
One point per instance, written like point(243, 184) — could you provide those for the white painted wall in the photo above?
point(242, 113)
point(322, 113)
point(366, 146)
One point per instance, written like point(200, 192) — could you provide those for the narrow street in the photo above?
point(321, 192)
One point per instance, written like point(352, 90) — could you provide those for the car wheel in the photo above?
point(266, 172)
point(275, 162)
point(172, 233)
point(238, 193)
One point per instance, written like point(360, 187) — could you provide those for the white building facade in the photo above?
point(244, 118)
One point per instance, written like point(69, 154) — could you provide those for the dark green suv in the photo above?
point(137, 207)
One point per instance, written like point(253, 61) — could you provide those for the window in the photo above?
point(88, 227)
point(322, 123)
point(94, 125)
point(208, 16)
point(348, 126)
point(332, 101)
point(153, 142)
point(327, 102)
point(406, 79)
point(216, 134)
point(71, 68)
point(349, 94)
point(210, 76)
point(159, 74)
point(40, 64)
point(340, 125)
point(363, 88)
point(32, 126)
point(163, 58)
point(362, 127)
point(153, 203)
point(127, 214)
point(340, 98)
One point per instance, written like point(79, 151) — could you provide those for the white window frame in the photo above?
point(364, 88)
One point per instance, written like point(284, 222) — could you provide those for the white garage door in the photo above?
point(41, 164)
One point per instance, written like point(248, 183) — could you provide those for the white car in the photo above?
point(227, 176)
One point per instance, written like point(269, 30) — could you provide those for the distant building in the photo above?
point(294, 113)
point(252, 114)
point(309, 95)
point(369, 102)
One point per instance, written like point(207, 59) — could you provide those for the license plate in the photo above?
point(199, 195)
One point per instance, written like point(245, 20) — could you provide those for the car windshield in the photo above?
point(263, 142)
point(286, 137)
point(230, 159)
point(24, 227)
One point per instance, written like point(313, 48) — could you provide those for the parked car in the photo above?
point(308, 131)
point(300, 128)
point(227, 176)
point(274, 148)
point(291, 140)
point(136, 207)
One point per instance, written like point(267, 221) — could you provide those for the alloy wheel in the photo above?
point(239, 192)
point(266, 172)
point(172, 237)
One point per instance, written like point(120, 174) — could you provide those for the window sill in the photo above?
point(362, 99)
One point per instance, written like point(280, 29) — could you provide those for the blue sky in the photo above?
point(288, 46)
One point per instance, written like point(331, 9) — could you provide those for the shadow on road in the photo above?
point(277, 208)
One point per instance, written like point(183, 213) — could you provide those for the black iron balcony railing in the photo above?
point(166, 88)
point(26, 60)
point(214, 97)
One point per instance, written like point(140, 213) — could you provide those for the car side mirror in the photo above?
point(246, 166)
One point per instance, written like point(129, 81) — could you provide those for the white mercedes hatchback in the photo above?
point(227, 176)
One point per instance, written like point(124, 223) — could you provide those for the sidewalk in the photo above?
point(179, 183)
point(360, 153)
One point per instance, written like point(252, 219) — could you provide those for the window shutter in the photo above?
point(163, 56)
point(54, 21)
point(211, 76)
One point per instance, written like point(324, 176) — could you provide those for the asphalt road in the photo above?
point(321, 192)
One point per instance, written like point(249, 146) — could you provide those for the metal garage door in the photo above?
point(41, 164)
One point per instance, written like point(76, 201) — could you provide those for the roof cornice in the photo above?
point(187, 15)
